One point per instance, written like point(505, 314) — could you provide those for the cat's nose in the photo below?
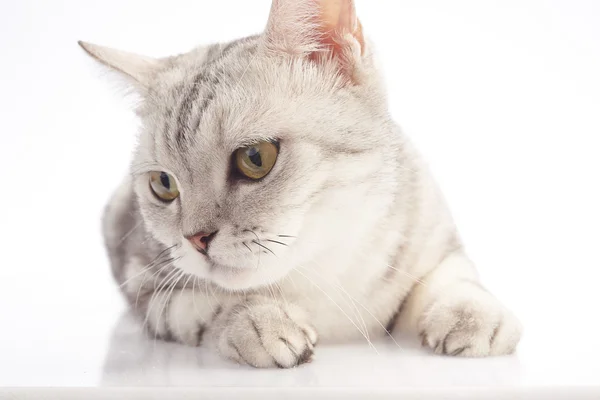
point(201, 240)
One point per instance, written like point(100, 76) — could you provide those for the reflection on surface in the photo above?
point(133, 359)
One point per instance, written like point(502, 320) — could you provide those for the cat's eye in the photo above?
point(257, 160)
point(163, 185)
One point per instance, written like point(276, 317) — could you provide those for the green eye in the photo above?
point(163, 185)
point(256, 161)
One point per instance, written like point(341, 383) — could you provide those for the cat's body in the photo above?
point(344, 238)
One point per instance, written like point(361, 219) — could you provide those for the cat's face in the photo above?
point(310, 202)
point(282, 159)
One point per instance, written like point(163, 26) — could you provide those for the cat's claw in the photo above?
point(469, 322)
point(268, 335)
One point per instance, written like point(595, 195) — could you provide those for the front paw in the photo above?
point(266, 334)
point(468, 321)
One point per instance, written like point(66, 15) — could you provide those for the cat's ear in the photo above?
point(138, 69)
point(318, 29)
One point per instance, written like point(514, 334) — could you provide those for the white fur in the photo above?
point(364, 226)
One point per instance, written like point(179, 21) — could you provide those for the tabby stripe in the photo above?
point(494, 335)
point(392, 322)
point(460, 350)
point(200, 80)
point(200, 334)
point(216, 313)
point(186, 108)
point(445, 342)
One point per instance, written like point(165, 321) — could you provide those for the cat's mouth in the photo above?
point(227, 269)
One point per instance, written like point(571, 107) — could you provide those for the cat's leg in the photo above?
point(255, 330)
point(182, 315)
point(455, 315)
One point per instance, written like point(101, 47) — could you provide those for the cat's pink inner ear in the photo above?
point(337, 19)
point(314, 28)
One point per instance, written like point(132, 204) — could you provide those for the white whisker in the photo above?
point(416, 279)
point(142, 270)
point(340, 308)
point(157, 292)
point(129, 233)
point(180, 296)
point(355, 310)
point(354, 301)
point(194, 294)
point(168, 265)
point(168, 295)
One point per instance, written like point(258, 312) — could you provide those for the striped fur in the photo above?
point(346, 238)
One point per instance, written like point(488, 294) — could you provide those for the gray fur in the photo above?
point(347, 236)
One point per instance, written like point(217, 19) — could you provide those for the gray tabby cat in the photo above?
point(272, 201)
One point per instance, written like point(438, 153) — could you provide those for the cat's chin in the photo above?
point(236, 279)
point(231, 278)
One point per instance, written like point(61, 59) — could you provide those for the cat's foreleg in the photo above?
point(454, 314)
point(260, 331)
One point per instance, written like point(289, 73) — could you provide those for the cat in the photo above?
point(272, 202)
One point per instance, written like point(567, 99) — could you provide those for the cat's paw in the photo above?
point(468, 321)
point(266, 334)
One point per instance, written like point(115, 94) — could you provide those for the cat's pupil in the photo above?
point(164, 179)
point(254, 156)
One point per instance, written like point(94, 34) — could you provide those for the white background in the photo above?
point(502, 97)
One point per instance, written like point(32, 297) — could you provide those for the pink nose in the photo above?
point(201, 240)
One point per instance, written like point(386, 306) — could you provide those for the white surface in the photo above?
point(502, 97)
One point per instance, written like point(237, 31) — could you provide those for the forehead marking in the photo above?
point(204, 83)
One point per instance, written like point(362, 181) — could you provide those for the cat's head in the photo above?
point(267, 153)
